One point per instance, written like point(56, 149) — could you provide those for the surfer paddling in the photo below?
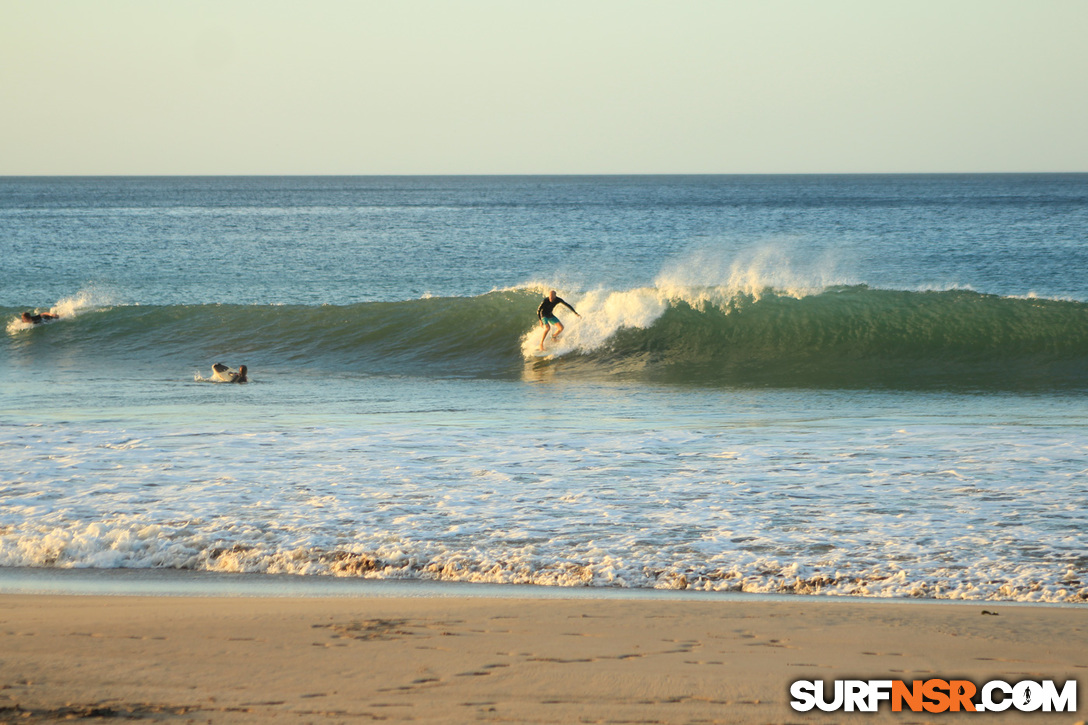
point(32, 319)
point(546, 314)
point(222, 374)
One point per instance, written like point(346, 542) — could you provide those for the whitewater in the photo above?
point(865, 386)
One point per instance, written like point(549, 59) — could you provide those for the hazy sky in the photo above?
point(548, 86)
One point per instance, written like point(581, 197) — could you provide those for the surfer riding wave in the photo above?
point(546, 314)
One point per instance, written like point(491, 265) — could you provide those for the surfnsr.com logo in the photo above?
point(934, 695)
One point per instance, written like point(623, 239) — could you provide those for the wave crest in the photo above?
point(716, 335)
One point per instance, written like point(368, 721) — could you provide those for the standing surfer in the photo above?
point(545, 313)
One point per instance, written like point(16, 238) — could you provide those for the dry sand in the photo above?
point(462, 660)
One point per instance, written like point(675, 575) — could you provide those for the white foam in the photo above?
point(603, 313)
point(775, 504)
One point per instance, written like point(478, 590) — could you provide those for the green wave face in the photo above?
point(860, 337)
point(838, 337)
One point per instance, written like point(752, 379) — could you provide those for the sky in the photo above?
point(542, 87)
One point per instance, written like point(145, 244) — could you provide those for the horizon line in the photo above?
point(533, 175)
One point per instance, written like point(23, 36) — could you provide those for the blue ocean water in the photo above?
point(866, 385)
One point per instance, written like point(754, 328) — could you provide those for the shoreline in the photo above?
point(190, 583)
point(235, 659)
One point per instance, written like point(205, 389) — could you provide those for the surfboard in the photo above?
point(222, 374)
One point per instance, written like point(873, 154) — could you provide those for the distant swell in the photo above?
point(852, 336)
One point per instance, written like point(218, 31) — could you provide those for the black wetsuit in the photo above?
point(548, 305)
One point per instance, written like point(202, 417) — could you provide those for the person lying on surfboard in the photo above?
point(32, 319)
point(545, 313)
point(221, 373)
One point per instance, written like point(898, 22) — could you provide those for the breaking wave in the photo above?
point(842, 335)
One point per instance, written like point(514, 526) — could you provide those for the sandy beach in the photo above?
point(255, 660)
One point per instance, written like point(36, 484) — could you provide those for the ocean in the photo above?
point(870, 385)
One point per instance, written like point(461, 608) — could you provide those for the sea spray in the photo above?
point(705, 275)
point(85, 300)
point(701, 278)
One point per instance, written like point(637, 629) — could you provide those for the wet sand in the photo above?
point(457, 660)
